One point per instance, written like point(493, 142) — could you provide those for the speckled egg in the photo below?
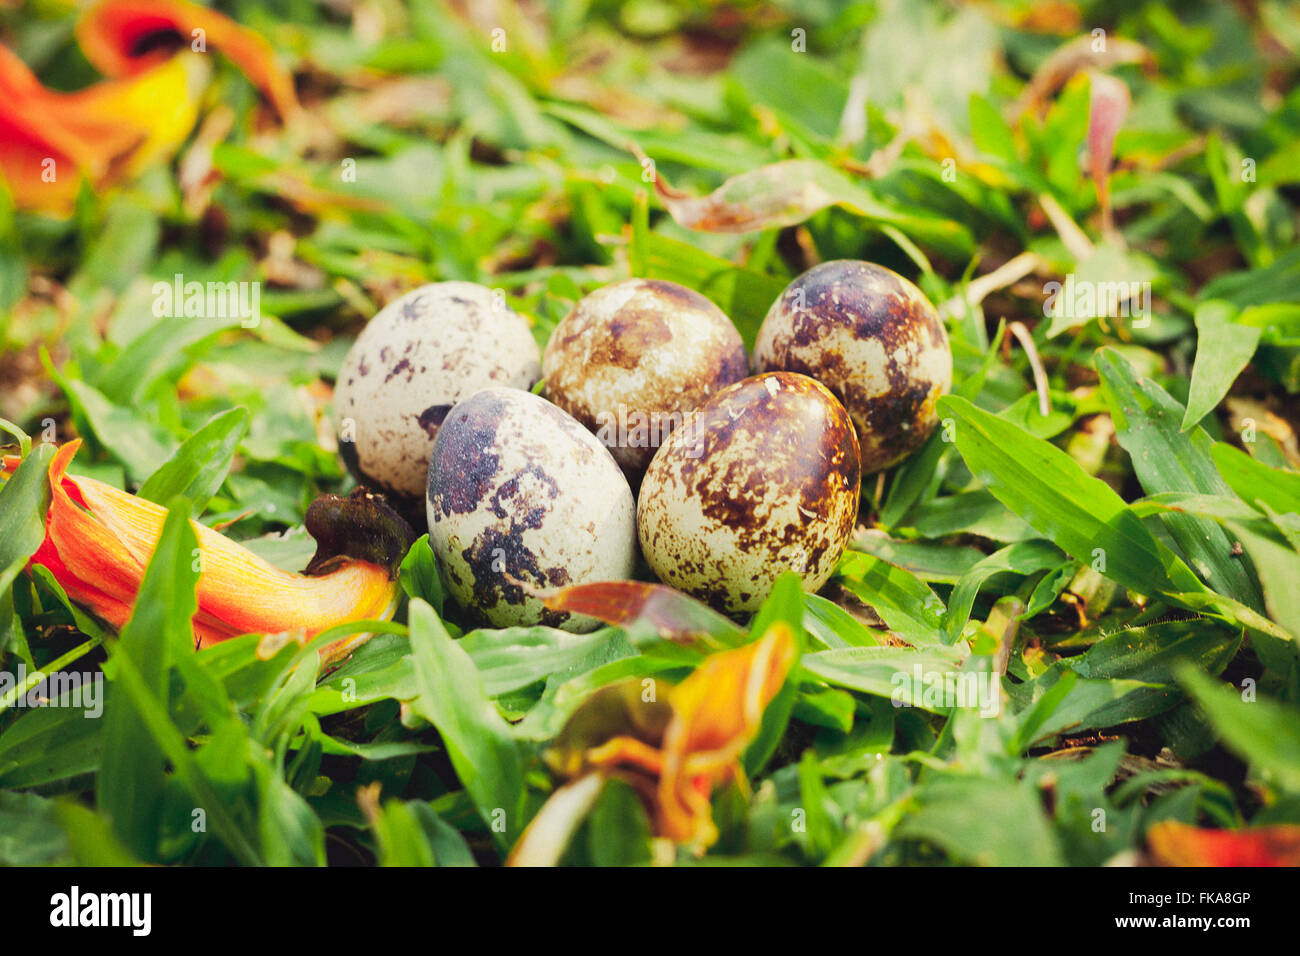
point(759, 480)
point(522, 498)
point(873, 339)
point(633, 357)
point(419, 356)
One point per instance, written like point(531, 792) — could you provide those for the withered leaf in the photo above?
point(788, 193)
point(1107, 109)
point(659, 609)
point(1088, 52)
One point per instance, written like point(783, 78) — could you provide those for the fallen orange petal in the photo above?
point(676, 750)
point(51, 140)
point(99, 540)
point(624, 753)
point(717, 711)
point(122, 37)
point(1177, 844)
point(46, 140)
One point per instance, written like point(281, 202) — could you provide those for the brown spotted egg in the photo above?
point(759, 480)
point(416, 358)
point(873, 339)
point(521, 498)
point(633, 357)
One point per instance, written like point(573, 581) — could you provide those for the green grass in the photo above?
point(1129, 560)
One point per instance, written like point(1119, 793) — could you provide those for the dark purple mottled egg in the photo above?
point(521, 498)
point(416, 358)
point(873, 339)
point(759, 480)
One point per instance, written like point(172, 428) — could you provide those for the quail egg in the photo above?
point(522, 498)
point(873, 339)
point(760, 479)
point(633, 357)
point(416, 358)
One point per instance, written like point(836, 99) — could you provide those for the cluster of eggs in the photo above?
point(740, 478)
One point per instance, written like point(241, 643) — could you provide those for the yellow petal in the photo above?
point(717, 711)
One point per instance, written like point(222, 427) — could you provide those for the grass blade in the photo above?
point(1165, 458)
point(130, 785)
point(1223, 348)
point(1080, 514)
point(198, 467)
point(450, 696)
